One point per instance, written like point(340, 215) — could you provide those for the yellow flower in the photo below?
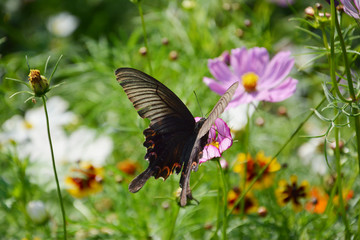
point(291, 192)
point(253, 167)
point(250, 205)
point(85, 180)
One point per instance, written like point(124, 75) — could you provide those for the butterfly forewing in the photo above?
point(154, 101)
point(218, 109)
point(200, 142)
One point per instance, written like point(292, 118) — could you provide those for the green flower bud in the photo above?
point(39, 84)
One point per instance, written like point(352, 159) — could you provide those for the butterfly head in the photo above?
point(199, 124)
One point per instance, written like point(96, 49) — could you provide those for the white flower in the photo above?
point(37, 211)
point(30, 135)
point(312, 153)
point(62, 24)
point(83, 144)
point(236, 117)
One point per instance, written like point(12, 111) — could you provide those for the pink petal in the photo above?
point(209, 152)
point(221, 71)
point(225, 144)
point(223, 130)
point(350, 9)
point(215, 86)
point(285, 90)
point(278, 68)
point(252, 60)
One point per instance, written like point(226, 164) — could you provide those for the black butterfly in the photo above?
point(174, 141)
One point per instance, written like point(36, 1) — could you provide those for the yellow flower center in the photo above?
point(28, 125)
point(216, 144)
point(249, 81)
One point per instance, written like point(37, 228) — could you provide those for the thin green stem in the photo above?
point(339, 183)
point(247, 141)
point(224, 190)
point(346, 61)
point(350, 85)
point(173, 223)
point(332, 58)
point(54, 168)
point(215, 233)
point(145, 35)
point(274, 157)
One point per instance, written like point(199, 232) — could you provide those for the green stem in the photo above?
point(353, 96)
point(274, 157)
point(173, 223)
point(339, 183)
point(346, 61)
point(215, 233)
point(145, 35)
point(54, 168)
point(247, 144)
point(332, 53)
point(224, 189)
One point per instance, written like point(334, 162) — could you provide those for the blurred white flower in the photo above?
point(30, 135)
point(37, 211)
point(312, 153)
point(236, 117)
point(85, 145)
point(62, 24)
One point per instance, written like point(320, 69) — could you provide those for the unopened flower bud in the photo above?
point(164, 41)
point(39, 84)
point(282, 111)
point(37, 211)
point(340, 8)
point(224, 164)
point(173, 55)
point(248, 22)
point(239, 32)
point(225, 57)
point(262, 211)
point(309, 11)
point(318, 6)
point(143, 51)
point(260, 121)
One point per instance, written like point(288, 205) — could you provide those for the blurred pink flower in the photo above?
point(283, 3)
point(352, 7)
point(260, 78)
point(219, 140)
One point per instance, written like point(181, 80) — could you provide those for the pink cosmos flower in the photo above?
point(352, 8)
point(260, 78)
point(219, 140)
point(283, 3)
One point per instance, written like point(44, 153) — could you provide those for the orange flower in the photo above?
point(347, 195)
point(127, 167)
point(250, 205)
point(254, 166)
point(318, 201)
point(86, 180)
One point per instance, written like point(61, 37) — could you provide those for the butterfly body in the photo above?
point(174, 141)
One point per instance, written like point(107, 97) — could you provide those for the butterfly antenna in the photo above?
point(197, 100)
